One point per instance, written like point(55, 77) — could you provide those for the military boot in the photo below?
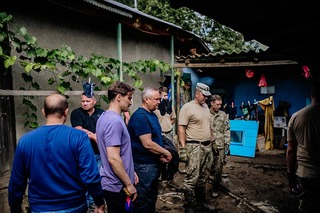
point(190, 203)
point(215, 188)
point(200, 194)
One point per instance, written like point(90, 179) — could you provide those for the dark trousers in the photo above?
point(116, 201)
point(309, 202)
point(147, 188)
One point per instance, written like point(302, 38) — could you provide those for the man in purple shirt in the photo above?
point(117, 170)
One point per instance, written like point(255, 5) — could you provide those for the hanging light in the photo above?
point(249, 73)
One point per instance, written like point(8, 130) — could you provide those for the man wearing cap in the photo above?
point(220, 127)
point(195, 148)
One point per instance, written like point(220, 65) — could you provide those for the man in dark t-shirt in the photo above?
point(85, 118)
point(147, 150)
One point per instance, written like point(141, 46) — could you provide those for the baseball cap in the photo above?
point(204, 89)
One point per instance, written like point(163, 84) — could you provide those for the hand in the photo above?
point(131, 191)
point(215, 149)
point(100, 209)
point(183, 156)
point(136, 178)
point(166, 157)
point(293, 183)
point(227, 150)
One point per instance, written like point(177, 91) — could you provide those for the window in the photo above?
point(268, 90)
point(236, 136)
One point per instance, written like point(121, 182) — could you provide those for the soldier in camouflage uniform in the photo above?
point(195, 148)
point(220, 127)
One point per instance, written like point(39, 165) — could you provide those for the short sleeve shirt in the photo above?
point(196, 118)
point(112, 131)
point(143, 122)
point(80, 117)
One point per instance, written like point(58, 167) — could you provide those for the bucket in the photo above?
point(261, 143)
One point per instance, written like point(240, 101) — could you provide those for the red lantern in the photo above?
point(249, 73)
point(306, 72)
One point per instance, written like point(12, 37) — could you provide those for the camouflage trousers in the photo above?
point(217, 167)
point(200, 159)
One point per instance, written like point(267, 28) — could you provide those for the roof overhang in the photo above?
point(134, 19)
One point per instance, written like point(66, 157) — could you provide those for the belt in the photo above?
point(205, 143)
point(167, 132)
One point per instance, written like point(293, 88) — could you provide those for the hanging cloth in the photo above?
point(268, 107)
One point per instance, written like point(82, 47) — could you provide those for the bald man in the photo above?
point(57, 163)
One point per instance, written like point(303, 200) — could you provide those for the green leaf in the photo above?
point(26, 77)
point(138, 83)
point(27, 124)
point(34, 125)
point(106, 80)
point(105, 98)
point(33, 108)
point(61, 89)
point(10, 61)
point(23, 31)
point(40, 52)
point(30, 39)
point(28, 67)
point(34, 116)
point(26, 102)
point(35, 85)
point(96, 72)
point(51, 81)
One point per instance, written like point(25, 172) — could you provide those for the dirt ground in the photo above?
point(256, 184)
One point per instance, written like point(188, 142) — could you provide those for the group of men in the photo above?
point(103, 159)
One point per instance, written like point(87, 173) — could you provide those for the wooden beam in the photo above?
point(43, 93)
point(235, 64)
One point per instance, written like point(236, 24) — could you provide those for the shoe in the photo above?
point(163, 185)
point(214, 193)
point(208, 206)
point(172, 184)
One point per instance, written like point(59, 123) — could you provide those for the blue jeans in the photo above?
point(90, 201)
point(147, 188)
point(80, 209)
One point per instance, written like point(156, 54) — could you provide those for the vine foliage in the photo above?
point(64, 65)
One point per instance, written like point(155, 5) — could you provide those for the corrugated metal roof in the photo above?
point(262, 48)
point(109, 8)
point(127, 11)
point(98, 6)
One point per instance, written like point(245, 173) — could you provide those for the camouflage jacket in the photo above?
point(220, 127)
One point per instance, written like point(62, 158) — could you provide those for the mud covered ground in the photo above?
point(256, 184)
